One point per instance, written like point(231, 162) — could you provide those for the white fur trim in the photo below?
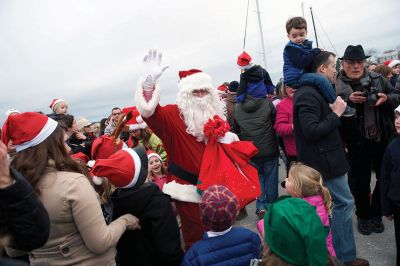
point(397, 109)
point(146, 108)
point(56, 102)
point(153, 154)
point(228, 138)
point(97, 180)
point(46, 131)
point(181, 192)
point(138, 165)
point(91, 163)
point(195, 81)
point(12, 111)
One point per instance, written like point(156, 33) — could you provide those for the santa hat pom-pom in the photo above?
point(91, 163)
point(97, 180)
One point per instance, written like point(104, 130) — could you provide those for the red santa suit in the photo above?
point(184, 151)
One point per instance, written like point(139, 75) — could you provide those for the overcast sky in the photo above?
point(89, 53)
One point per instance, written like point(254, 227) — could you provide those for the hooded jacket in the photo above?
point(255, 82)
point(254, 121)
point(158, 241)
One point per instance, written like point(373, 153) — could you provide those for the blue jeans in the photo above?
point(341, 223)
point(268, 176)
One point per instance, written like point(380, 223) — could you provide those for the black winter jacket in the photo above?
point(158, 241)
point(22, 215)
point(254, 121)
point(318, 141)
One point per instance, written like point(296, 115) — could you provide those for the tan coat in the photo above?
point(78, 232)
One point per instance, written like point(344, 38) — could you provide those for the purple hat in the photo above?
point(218, 208)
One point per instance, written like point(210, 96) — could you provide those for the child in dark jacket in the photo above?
point(158, 241)
point(390, 182)
point(298, 55)
point(222, 244)
point(254, 80)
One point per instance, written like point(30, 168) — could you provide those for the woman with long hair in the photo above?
point(78, 232)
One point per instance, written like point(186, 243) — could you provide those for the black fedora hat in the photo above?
point(354, 52)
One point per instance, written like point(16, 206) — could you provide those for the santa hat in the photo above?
point(222, 88)
point(54, 102)
point(151, 153)
point(218, 208)
point(244, 61)
point(26, 130)
point(12, 111)
point(80, 156)
point(194, 79)
point(104, 146)
point(126, 168)
point(139, 124)
point(391, 63)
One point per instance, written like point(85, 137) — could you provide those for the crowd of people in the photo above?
point(128, 190)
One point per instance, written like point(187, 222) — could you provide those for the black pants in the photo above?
point(396, 218)
point(362, 156)
point(289, 160)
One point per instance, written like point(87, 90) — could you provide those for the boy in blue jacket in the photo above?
point(390, 182)
point(297, 57)
point(222, 244)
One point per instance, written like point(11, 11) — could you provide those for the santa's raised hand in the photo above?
point(153, 71)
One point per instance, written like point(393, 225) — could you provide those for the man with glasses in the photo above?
point(115, 114)
point(367, 134)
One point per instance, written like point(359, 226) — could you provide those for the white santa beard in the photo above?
point(196, 111)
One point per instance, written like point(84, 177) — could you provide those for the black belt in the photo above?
point(182, 173)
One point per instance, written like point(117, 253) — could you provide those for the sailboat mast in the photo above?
point(262, 36)
point(313, 23)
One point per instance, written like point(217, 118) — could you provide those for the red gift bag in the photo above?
point(228, 164)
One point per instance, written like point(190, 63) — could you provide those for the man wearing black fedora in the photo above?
point(367, 134)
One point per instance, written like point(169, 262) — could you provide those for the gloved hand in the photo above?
point(152, 63)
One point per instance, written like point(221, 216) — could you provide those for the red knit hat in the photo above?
point(26, 130)
point(54, 102)
point(104, 146)
point(126, 168)
point(193, 79)
point(151, 153)
point(218, 208)
point(244, 59)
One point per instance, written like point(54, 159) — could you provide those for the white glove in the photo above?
point(154, 70)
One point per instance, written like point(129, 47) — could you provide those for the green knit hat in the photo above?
point(294, 232)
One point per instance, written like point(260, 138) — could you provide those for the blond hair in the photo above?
point(308, 182)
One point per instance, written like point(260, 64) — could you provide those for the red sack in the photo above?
point(229, 164)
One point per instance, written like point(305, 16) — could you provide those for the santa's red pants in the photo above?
point(192, 228)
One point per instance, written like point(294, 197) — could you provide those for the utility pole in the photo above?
point(262, 36)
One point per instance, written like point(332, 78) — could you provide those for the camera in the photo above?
point(370, 92)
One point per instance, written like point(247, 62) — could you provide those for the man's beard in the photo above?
point(196, 111)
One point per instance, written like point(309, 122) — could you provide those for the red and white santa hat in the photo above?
point(126, 168)
point(54, 102)
point(244, 61)
point(151, 153)
point(26, 130)
point(104, 146)
point(391, 63)
point(222, 88)
point(138, 124)
point(194, 79)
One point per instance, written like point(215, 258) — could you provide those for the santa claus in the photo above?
point(180, 127)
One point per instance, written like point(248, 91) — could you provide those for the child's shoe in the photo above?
point(349, 112)
point(377, 225)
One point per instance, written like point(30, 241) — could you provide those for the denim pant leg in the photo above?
point(271, 174)
point(341, 224)
point(260, 202)
point(268, 176)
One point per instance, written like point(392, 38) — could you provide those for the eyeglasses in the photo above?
point(116, 113)
point(355, 62)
